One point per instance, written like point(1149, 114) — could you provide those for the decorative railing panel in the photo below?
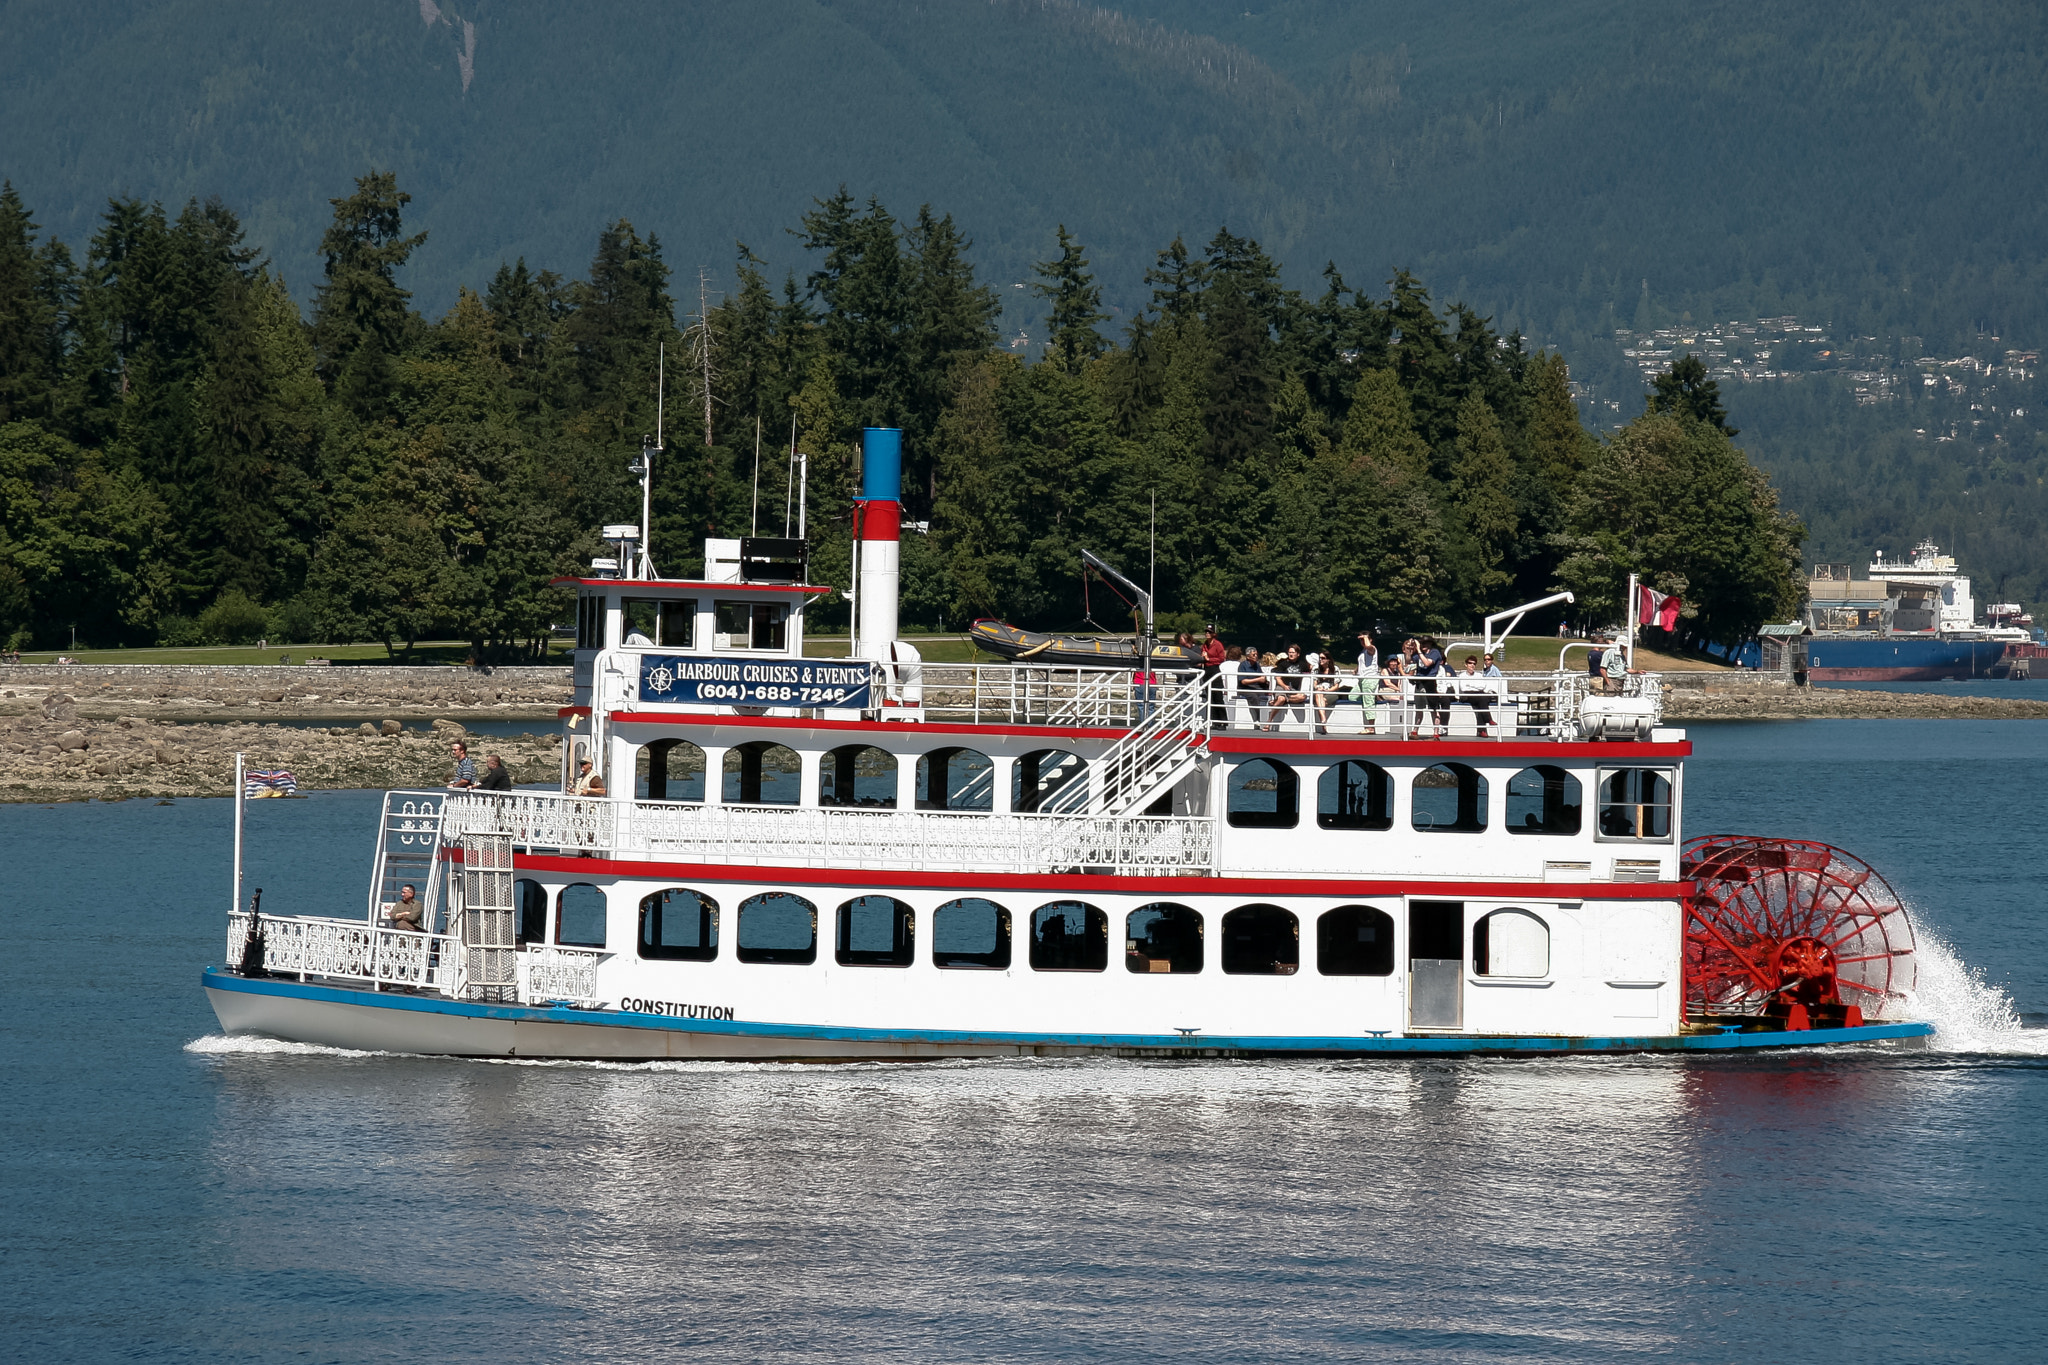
point(559, 974)
point(829, 837)
point(349, 950)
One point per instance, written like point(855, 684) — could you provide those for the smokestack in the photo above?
point(878, 525)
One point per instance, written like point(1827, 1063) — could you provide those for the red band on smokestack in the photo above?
point(878, 520)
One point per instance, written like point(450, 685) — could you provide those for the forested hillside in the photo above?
point(184, 457)
point(1567, 171)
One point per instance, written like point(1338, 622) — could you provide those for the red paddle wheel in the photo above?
point(1792, 930)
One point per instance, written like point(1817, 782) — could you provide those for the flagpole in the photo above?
point(1634, 601)
point(236, 907)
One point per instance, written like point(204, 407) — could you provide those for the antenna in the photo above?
point(704, 348)
point(789, 478)
point(644, 466)
point(754, 526)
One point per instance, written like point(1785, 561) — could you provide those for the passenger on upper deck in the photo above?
point(496, 778)
point(1329, 690)
point(465, 767)
point(588, 782)
point(1213, 654)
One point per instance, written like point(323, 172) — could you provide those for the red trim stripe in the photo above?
point(616, 868)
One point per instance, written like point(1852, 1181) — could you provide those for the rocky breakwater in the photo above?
point(1736, 701)
point(203, 692)
point(56, 752)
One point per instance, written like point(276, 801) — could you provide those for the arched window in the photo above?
point(1544, 799)
point(1355, 940)
point(858, 775)
point(1449, 797)
point(1264, 794)
point(579, 916)
point(973, 933)
point(1635, 803)
point(876, 931)
point(1355, 795)
point(530, 911)
point(1069, 936)
point(679, 925)
point(1163, 937)
point(762, 773)
point(956, 779)
point(777, 927)
point(1049, 780)
point(1261, 940)
point(669, 770)
point(1511, 943)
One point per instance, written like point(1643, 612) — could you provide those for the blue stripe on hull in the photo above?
point(215, 979)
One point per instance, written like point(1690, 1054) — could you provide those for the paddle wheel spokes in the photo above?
point(1784, 927)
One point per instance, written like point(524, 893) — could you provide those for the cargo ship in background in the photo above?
point(1911, 621)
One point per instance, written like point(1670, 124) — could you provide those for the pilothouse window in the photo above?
point(1544, 799)
point(1635, 803)
point(752, 625)
point(664, 623)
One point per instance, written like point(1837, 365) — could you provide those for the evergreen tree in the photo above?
point(1685, 391)
point(33, 290)
point(360, 315)
point(952, 319)
point(1076, 301)
point(1380, 430)
point(1481, 498)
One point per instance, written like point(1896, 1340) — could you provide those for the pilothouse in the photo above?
point(778, 855)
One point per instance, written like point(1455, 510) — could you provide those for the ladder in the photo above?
point(489, 949)
point(1156, 754)
point(408, 852)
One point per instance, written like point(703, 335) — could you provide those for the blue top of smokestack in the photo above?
point(881, 464)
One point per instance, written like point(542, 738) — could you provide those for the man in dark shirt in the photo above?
point(496, 779)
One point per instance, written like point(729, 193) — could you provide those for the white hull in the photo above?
point(387, 1022)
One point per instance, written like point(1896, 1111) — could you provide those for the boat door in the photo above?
point(1436, 964)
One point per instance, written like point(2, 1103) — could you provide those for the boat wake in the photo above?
point(1970, 1015)
point(247, 1045)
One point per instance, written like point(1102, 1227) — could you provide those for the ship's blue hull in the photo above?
point(1900, 658)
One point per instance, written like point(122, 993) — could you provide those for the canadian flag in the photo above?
point(1658, 609)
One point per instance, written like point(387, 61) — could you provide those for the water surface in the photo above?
point(171, 1195)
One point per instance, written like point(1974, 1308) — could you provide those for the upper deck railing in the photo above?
point(1550, 705)
point(789, 836)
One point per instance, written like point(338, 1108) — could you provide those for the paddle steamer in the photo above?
point(878, 857)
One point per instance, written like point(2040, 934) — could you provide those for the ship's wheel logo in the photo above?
point(660, 678)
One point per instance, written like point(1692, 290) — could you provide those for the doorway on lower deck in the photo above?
point(1436, 964)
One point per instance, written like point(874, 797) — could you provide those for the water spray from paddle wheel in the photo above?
point(1792, 931)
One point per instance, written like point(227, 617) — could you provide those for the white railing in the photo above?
point(1031, 694)
point(569, 974)
point(535, 819)
point(813, 836)
point(408, 850)
point(1156, 747)
point(349, 950)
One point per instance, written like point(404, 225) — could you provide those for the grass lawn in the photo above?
point(429, 652)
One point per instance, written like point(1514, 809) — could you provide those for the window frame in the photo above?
point(662, 953)
point(903, 932)
point(603, 919)
point(1289, 787)
point(1158, 966)
point(1336, 820)
point(1328, 917)
point(1223, 955)
point(772, 957)
point(1508, 795)
point(1478, 948)
point(1095, 927)
point(1669, 805)
point(1005, 940)
point(1483, 794)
